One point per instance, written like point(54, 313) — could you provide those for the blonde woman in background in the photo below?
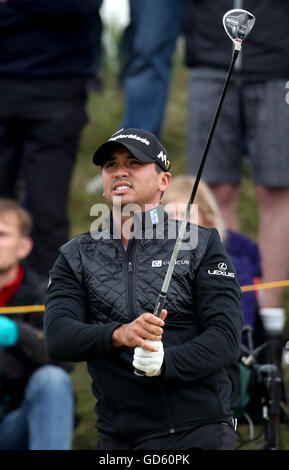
point(243, 251)
point(177, 195)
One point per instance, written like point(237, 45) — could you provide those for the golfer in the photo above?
point(103, 288)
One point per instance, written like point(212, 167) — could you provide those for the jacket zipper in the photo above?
point(130, 273)
point(131, 299)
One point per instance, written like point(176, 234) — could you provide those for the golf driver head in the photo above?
point(238, 24)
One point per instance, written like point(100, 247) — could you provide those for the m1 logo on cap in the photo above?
point(162, 156)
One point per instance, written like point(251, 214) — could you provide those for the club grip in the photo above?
point(157, 311)
point(159, 304)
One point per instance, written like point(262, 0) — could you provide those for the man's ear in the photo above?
point(25, 247)
point(165, 181)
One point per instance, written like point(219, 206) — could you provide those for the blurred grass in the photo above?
point(105, 112)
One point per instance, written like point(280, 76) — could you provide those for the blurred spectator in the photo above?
point(254, 121)
point(95, 81)
point(47, 55)
point(243, 251)
point(36, 396)
point(146, 53)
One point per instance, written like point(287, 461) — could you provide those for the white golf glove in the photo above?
point(149, 362)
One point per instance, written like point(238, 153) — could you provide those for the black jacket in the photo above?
point(264, 55)
point(18, 362)
point(48, 39)
point(96, 286)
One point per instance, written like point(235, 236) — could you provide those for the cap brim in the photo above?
point(102, 153)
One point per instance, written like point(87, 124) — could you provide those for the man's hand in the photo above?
point(146, 327)
point(147, 361)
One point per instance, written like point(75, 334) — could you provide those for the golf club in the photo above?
point(237, 23)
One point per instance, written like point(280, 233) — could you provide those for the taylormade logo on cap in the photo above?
point(142, 144)
point(130, 136)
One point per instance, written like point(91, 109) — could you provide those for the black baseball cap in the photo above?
point(142, 144)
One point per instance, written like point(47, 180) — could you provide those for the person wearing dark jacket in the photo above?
point(103, 288)
point(47, 56)
point(36, 395)
point(253, 123)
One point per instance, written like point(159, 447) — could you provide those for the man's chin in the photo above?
point(123, 201)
